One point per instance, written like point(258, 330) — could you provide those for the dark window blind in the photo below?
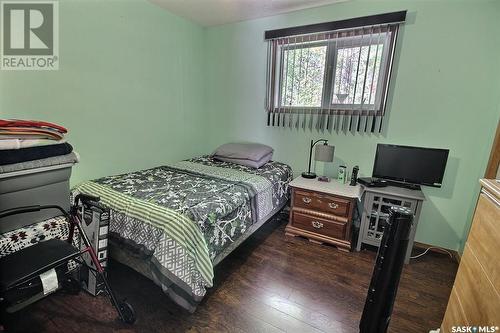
point(333, 80)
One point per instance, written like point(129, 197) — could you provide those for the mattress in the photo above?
point(179, 218)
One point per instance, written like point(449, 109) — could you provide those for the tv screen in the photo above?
point(407, 164)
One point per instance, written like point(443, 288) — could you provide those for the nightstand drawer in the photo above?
point(319, 225)
point(321, 202)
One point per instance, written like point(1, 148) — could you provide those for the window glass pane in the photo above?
point(356, 74)
point(303, 74)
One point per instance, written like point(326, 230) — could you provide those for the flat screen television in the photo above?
point(406, 164)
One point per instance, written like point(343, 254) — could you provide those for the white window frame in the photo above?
point(332, 48)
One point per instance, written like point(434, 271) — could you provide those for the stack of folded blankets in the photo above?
point(35, 167)
point(29, 144)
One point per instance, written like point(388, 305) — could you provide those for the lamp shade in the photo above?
point(324, 153)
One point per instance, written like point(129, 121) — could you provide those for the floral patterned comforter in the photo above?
point(181, 216)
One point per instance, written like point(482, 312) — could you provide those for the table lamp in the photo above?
point(323, 153)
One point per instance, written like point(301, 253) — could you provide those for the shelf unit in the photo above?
point(376, 205)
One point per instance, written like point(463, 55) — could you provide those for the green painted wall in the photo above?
point(445, 94)
point(129, 87)
point(138, 87)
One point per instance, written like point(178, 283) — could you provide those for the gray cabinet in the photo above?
point(376, 205)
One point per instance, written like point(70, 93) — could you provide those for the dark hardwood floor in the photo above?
point(271, 283)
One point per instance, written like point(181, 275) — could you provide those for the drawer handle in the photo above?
point(333, 205)
point(306, 200)
point(317, 225)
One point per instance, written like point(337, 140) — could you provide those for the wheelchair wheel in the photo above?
point(127, 312)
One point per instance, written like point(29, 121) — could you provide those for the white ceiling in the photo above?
point(216, 12)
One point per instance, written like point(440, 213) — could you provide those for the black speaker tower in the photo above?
point(385, 279)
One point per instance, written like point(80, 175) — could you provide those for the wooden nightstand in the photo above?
point(323, 212)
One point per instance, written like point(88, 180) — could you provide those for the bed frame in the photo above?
point(132, 260)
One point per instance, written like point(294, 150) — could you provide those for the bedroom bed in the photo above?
point(174, 223)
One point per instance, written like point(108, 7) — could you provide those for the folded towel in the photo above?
point(31, 123)
point(44, 162)
point(26, 143)
point(11, 156)
point(29, 133)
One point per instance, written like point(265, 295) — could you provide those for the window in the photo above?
point(357, 71)
point(303, 72)
point(344, 72)
point(338, 74)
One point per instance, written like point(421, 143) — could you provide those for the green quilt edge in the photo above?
point(179, 227)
